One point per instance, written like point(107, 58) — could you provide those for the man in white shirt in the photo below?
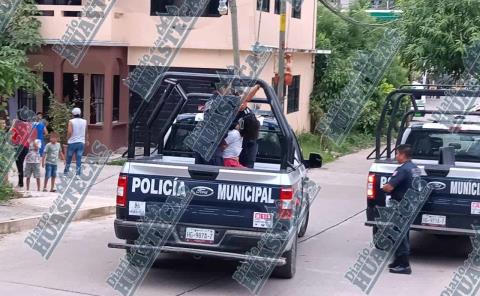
point(76, 134)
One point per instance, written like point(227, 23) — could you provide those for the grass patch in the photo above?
point(119, 162)
point(329, 151)
point(6, 191)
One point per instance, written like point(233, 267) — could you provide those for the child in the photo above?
point(52, 150)
point(233, 147)
point(32, 163)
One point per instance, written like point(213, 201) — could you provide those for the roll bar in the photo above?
point(393, 102)
point(174, 82)
point(423, 113)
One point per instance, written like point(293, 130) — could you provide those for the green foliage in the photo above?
point(6, 153)
point(371, 112)
point(346, 40)
point(6, 191)
point(20, 37)
point(437, 34)
point(60, 114)
point(329, 151)
point(118, 162)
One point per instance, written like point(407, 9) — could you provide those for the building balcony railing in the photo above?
point(58, 19)
point(127, 18)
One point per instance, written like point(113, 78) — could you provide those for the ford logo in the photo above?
point(437, 185)
point(202, 191)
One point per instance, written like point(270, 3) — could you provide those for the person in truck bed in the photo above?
point(232, 146)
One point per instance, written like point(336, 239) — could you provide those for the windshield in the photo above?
point(427, 143)
point(269, 147)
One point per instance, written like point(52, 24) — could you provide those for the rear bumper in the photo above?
point(456, 225)
point(199, 252)
point(226, 240)
point(433, 229)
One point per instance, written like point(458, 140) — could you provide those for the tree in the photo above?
point(438, 33)
point(346, 39)
point(20, 37)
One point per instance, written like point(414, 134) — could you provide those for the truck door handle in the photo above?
point(437, 170)
point(204, 173)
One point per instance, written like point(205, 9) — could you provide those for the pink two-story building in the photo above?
point(129, 31)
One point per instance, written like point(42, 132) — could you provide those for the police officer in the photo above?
point(249, 130)
point(397, 186)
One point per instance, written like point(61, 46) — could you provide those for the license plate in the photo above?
point(136, 208)
point(262, 220)
point(435, 220)
point(200, 235)
point(475, 208)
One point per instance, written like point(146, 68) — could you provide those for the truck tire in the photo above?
point(303, 227)
point(287, 271)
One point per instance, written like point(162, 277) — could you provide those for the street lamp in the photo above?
point(222, 7)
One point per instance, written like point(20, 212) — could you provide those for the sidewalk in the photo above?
point(21, 214)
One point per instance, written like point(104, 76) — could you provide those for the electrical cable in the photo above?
point(333, 226)
point(259, 22)
point(351, 20)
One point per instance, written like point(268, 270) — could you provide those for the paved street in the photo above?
point(82, 262)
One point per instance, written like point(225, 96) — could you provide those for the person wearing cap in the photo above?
point(76, 134)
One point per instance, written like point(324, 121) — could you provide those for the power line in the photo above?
point(349, 19)
point(332, 226)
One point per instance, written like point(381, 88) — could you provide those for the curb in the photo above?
point(29, 223)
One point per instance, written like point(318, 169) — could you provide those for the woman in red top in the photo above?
point(22, 134)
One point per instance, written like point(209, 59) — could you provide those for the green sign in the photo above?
point(385, 15)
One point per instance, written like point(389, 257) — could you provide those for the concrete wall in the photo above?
point(130, 23)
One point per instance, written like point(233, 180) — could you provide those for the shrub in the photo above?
point(59, 114)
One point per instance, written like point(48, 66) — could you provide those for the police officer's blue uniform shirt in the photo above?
point(402, 179)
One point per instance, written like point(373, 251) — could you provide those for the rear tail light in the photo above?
point(286, 203)
point(371, 194)
point(122, 191)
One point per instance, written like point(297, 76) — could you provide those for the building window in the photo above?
point(296, 13)
point(277, 7)
point(167, 8)
point(116, 98)
point(73, 89)
point(297, 8)
point(293, 97)
point(59, 2)
point(263, 5)
point(97, 95)
point(27, 100)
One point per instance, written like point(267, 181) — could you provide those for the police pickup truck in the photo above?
point(231, 207)
point(454, 204)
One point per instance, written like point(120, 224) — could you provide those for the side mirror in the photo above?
point(314, 161)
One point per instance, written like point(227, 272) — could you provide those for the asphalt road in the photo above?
point(82, 262)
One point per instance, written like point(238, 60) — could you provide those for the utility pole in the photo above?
point(236, 50)
point(223, 10)
point(281, 52)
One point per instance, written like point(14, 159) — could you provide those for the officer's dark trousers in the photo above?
point(404, 247)
point(19, 162)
